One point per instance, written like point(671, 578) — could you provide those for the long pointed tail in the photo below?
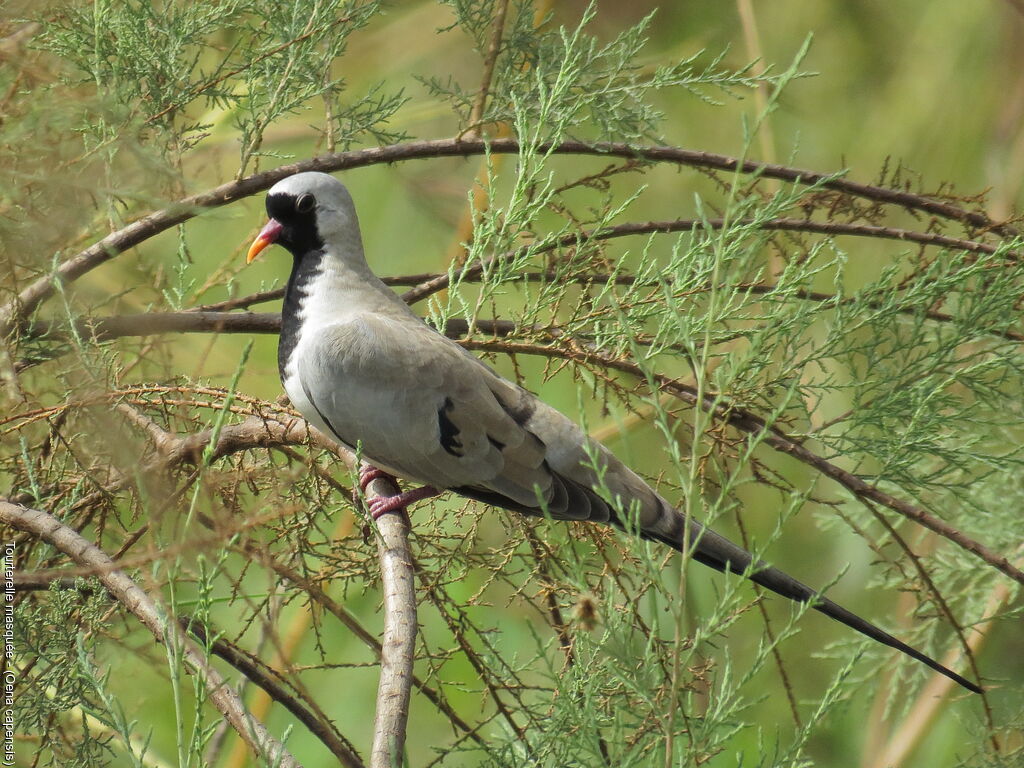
point(719, 553)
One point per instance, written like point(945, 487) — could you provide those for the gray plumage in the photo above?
point(362, 367)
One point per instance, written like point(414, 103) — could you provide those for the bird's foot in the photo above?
point(384, 504)
point(368, 473)
point(381, 505)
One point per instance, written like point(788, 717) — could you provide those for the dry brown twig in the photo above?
point(396, 652)
point(126, 591)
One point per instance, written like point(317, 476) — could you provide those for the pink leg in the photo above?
point(384, 504)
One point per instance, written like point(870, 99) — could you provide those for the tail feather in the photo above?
point(716, 551)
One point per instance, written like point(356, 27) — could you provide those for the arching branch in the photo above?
point(146, 227)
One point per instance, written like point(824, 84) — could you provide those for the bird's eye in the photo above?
point(305, 203)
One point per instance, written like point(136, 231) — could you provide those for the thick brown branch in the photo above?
point(146, 227)
point(399, 643)
point(212, 319)
point(83, 552)
point(103, 329)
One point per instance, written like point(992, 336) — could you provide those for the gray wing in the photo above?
point(420, 406)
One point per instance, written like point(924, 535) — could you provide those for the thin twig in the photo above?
point(104, 329)
point(928, 705)
point(493, 49)
point(442, 601)
point(83, 552)
point(264, 677)
point(787, 684)
point(585, 279)
point(945, 610)
point(211, 318)
point(542, 554)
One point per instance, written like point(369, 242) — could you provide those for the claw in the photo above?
point(381, 505)
point(384, 504)
point(368, 473)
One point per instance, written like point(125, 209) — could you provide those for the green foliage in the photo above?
point(567, 83)
point(715, 358)
point(64, 680)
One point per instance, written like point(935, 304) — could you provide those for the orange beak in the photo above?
point(267, 236)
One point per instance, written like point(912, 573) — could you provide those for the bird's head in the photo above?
point(306, 211)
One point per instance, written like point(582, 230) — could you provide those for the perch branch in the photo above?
point(399, 643)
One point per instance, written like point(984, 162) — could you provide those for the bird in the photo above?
point(363, 368)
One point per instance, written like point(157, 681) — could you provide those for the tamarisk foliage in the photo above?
point(824, 365)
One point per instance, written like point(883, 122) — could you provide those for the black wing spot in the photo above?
point(496, 443)
point(449, 432)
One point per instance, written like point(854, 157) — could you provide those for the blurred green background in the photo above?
point(934, 87)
